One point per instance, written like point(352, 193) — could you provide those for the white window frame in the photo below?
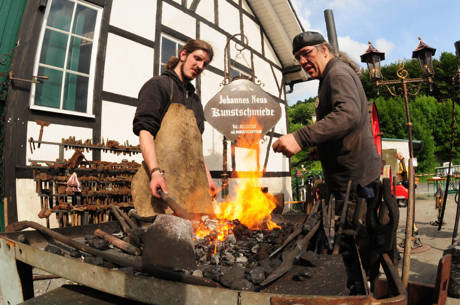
point(177, 41)
point(92, 69)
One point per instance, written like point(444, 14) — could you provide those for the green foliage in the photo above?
point(442, 88)
point(431, 113)
point(444, 70)
point(431, 124)
point(300, 115)
point(431, 110)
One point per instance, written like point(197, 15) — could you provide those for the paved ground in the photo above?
point(423, 265)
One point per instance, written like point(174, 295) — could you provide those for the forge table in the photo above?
point(21, 251)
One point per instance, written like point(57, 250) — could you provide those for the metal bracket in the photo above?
point(35, 79)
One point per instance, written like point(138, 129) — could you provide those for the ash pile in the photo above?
point(271, 260)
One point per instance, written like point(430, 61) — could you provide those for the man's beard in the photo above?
point(186, 79)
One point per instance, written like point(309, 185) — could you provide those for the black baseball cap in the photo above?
point(306, 39)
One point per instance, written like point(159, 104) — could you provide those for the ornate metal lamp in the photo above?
point(372, 57)
point(424, 53)
point(406, 86)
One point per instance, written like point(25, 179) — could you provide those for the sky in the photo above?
point(393, 27)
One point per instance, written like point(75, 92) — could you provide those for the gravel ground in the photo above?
point(423, 265)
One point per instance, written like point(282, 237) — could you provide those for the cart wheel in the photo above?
point(402, 203)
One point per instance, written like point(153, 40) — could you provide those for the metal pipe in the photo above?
point(411, 202)
point(331, 32)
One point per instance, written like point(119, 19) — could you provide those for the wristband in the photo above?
point(156, 169)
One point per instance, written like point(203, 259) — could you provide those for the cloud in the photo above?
point(341, 4)
point(303, 91)
point(352, 47)
point(384, 46)
point(303, 13)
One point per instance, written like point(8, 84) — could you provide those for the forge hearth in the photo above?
point(242, 262)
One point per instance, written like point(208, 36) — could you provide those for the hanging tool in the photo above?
point(40, 135)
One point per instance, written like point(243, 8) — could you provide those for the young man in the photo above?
point(342, 133)
point(156, 96)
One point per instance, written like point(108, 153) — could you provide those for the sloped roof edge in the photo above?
point(280, 23)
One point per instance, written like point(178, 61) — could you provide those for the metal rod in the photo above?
point(331, 32)
point(269, 146)
point(224, 169)
point(411, 202)
point(341, 223)
point(124, 225)
point(120, 244)
point(85, 146)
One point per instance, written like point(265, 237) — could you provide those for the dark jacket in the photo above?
point(155, 98)
point(342, 132)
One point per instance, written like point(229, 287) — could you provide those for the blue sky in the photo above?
point(393, 27)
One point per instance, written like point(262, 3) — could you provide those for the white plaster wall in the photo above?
point(211, 83)
point(128, 65)
point(269, 52)
point(243, 57)
point(178, 20)
point(247, 8)
point(217, 41)
point(265, 75)
point(212, 139)
point(245, 160)
point(206, 10)
point(143, 12)
point(252, 32)
point(54, 133)
point(28, 203)
point(229, 19)
point(281, 126)
point(117, 124)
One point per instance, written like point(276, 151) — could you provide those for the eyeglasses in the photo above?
point(304, 53)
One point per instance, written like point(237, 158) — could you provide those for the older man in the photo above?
point(342, 131)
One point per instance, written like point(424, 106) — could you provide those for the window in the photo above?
point(67, 56)
point(237, 73)
point(169, 47)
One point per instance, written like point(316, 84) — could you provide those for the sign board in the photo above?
point(242, 111)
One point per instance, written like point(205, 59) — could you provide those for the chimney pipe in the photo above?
point(330, 27)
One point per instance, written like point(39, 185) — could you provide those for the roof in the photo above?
point(281, 24)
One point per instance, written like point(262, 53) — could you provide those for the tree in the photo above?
point(300, 115)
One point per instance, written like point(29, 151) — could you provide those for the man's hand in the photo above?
point(211, 183)
point(157, 181)
point(287, 145)
point(212, 188)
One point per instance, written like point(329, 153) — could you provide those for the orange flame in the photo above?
point(251, 206)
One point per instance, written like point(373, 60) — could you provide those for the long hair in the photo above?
point(190, 47)
point(342, 56)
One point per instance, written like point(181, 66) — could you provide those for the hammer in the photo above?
point(40, 135)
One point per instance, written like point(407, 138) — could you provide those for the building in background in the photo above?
point(96, 55)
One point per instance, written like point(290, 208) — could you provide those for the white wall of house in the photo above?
point(129, 64)
point(144, 10)
point(53, 133)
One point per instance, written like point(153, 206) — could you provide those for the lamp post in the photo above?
point(372, 58)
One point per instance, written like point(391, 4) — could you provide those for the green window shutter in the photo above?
point(11, 12)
